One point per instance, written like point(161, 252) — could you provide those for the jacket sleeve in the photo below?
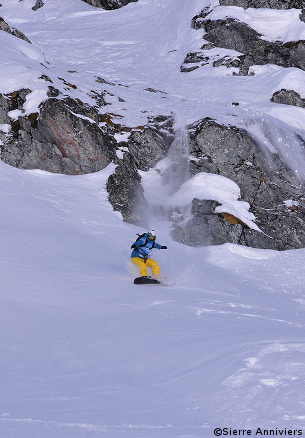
point(158, 246)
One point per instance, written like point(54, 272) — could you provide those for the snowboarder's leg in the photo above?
point(141, 264)
point(154, 267)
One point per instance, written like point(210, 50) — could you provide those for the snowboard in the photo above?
point(146, 280)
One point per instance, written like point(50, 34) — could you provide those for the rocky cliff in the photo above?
point(69, 136)
point(231, 33)
point(265, 181)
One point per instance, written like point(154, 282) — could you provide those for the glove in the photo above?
point(133, 246)
point(163, 247)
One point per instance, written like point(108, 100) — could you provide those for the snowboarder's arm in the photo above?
point(158, 246)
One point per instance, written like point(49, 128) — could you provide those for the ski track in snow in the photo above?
point(222, 346)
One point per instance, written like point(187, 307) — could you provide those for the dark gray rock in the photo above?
point(193, 61)
point(109, 4)
point(197, 20)
point(271, 4)
point(185, 68)
point(10, 102)
point(229, 62)
point(60, 139)
point(147, 147)
point(194, 57)
point(285, 229)
point(234, 35)
point(206, 227)
point(228, 151)
point(265, 183)
point(4, 119)
point(297, 54)
point(125, 191)
point(288, 97)
point(4, 109)
point(39, 4)
point(207, 230)
point(11, 30)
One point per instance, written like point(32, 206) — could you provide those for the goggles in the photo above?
point(151, 236)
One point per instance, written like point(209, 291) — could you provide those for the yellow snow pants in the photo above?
point(149, 264)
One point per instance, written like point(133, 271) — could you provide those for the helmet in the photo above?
point(151, 235)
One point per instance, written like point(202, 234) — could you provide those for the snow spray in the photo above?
point(278, 138)
point(178, 153)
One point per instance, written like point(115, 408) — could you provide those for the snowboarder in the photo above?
point(140, 254)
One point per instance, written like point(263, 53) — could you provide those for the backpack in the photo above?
point(140, 237)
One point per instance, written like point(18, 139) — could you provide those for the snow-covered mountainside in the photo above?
point(151, 114)
point(82, 86)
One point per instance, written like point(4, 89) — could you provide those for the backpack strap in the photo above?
point(142, 244)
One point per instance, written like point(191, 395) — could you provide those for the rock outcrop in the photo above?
point(39, 4)
point(274, 193)
point(142, 151)
point(270, 4)
point(288, 97)
point(4, 26)
point(250, 48)
point(68, 136)
point(109, 4)
point(126, 193)
point(63, 138)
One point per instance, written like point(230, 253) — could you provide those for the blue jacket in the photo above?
point(143, 246)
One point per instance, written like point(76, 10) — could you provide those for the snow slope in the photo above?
point(138, 50)
point(85, 352)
